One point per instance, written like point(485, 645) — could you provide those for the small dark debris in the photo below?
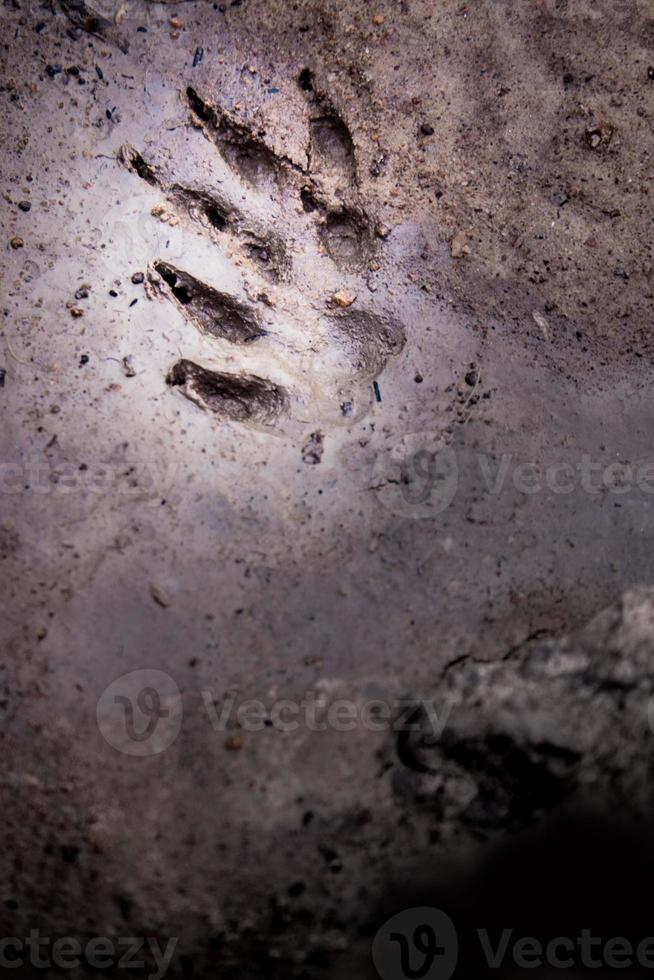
point(599, 136)
point(650, 73)
point(72, 70)
point(198, 56)
point(3, 375)
point(142, 30)
point(70, 853)
point(377, 391)
point(418, 378)
point(84, 359)
point(25, 206)
point(112, 292)
point(138, 278)
point(305, 80)
point(427, 130)
point(346, 408)
point(40, 26)
point(313, 448)
point(99, 72)
point(568, 79)
point(133, 303)
point(128, 367)
point(472, 377)
point(82, 293)
point(52, 70)
point(309, 202)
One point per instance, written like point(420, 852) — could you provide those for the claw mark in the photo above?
point(204, 207)
point(240, 398)
point(214, 313)
point(133, 160)
point(244, 149)
point(215, 214)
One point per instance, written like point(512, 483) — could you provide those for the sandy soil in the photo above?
point(326, 368)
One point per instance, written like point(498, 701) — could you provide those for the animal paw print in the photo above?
point(271, 280)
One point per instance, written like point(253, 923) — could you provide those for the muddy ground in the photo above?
point(325, 371)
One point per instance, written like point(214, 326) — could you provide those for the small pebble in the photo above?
point(378, 20)
point(138, 278)
point(16, 242)
point(84, 359)
point(343, 299)
point(24, 206)
point(459, 247)
point(3, 375)
point(427, 130)
point(159, 596)
point(76, 312)
point(418, 378)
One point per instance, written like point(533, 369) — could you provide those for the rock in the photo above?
point(599, 136)
point(427, 130)
point(540, 320)
point(378, 20)
point(138, 278)
point(459, 247)
point(343, 299)
point(16, 242)
point(24, 206)
point(160, 596)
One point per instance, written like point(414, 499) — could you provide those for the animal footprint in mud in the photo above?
point(268, 268)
